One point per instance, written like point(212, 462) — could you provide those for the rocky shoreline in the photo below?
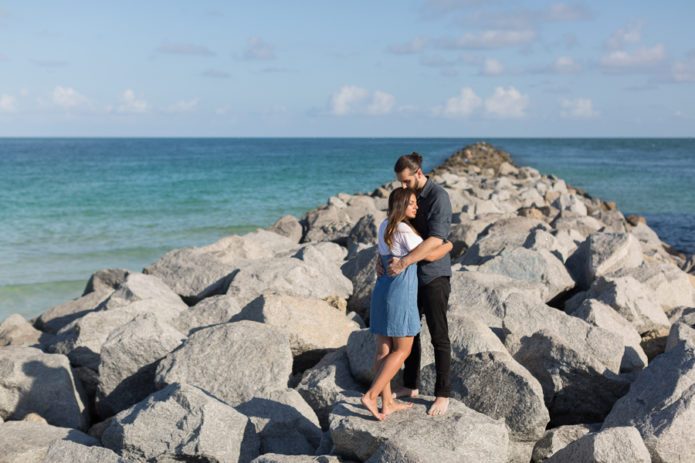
point(572, 332)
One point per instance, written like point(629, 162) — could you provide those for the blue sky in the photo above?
point(434, 68)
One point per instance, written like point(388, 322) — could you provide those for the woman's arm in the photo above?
point(439, 251)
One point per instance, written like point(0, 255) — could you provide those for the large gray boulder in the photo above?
point(182, 423)
point(16, 331)
point(556, 439)
point(461, 435)
point(603, 253)
point(55, 318)
point(141, 288)
point(494, 384)
point(361, 270)
point(234, 361)
point(671, 286)
point(106, 280)
point(82, 340)
point(360, 349)
point(314, 272)
point(32, 381)
point(128, 362)
point(313, 325)
point(661, 405)
point(614, 445)
point(196, 273)
point(632, 300)
point(321, 385)
point(210, 311)
point(599, 314)
point(65, 451)
point(29, 441)
point(284, 421)
point(334, 220)
point(481, 295)
point(576, 363)
point(584, 225)
point(279, 458)
point(535, 266)
point(680, 332)
point(288, 226)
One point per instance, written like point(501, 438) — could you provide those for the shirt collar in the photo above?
point(426, 189)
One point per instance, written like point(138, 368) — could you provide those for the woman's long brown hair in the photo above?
point(398, 202)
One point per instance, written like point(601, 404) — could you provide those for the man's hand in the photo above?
point(395, 267)
point(379, 267)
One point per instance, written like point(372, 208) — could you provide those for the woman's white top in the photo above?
point(404, 240)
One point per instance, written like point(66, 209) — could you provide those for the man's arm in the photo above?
point(421, 251)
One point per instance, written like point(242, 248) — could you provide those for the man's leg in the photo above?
point(435, 300)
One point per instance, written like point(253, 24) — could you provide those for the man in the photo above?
point(432, 222)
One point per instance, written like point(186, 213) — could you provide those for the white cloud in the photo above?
point(632, 33)
point(68, 97)
point(684, 71)
point(461, 105)
point(184, 49)
point(183, 106)
point(8, 103)
point(507, 104)
point(222, 110)
point(351, 99)
point(579, 108)
point(257, 49)
point(489, 39)
point(641, 58)
point(414, 46)
point(343, 100)
point(492, 67)
point(131, 104)
point(382, 103)
point(566, 65)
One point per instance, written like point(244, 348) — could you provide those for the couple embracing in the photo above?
point(414, 271)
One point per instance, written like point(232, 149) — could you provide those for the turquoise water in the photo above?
point(69, 207)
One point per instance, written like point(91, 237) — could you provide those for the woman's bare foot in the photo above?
point(405, 392)
point(373, 409)
point(394, 406)
point(439, 407)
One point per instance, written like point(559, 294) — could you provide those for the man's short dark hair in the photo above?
point(412, 161)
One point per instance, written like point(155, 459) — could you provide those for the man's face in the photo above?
point(410, 179)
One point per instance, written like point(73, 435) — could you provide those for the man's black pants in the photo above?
point(432, 301)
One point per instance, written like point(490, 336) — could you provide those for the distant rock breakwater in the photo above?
point(572, 330)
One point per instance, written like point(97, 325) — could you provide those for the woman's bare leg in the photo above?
point(388, 369)
point(401, 346)
point(383, 349)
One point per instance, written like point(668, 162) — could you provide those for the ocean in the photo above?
point(69, 207)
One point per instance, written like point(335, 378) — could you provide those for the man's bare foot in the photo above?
point(394, 406)
point(373, 409)
point(439, 406)
point(405, 392)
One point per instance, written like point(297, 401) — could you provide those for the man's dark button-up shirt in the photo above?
point(433, 219)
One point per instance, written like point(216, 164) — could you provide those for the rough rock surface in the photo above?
point(288, 226)
point(16, 331)
point(361, 272)
point(128, 362)
point(65, 451)
point(661, 405)
point(603, 253)
point(558, 438)
point(181, 422)
point(460, 435)
point(52, 320)
point(32, 381)
point(322, 385)
point(234, 361)
point(28, 442)
point(311, 324)
point(284, 421)
point(210, 311)
point(613, 445)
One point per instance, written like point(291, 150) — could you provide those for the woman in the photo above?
point(394, 316)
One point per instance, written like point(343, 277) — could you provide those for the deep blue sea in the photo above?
point(69, 207)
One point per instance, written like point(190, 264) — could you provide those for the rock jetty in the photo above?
point(572, 332)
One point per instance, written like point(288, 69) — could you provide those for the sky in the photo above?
point(428, 68)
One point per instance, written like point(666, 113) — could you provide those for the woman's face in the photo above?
point(411, 210)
